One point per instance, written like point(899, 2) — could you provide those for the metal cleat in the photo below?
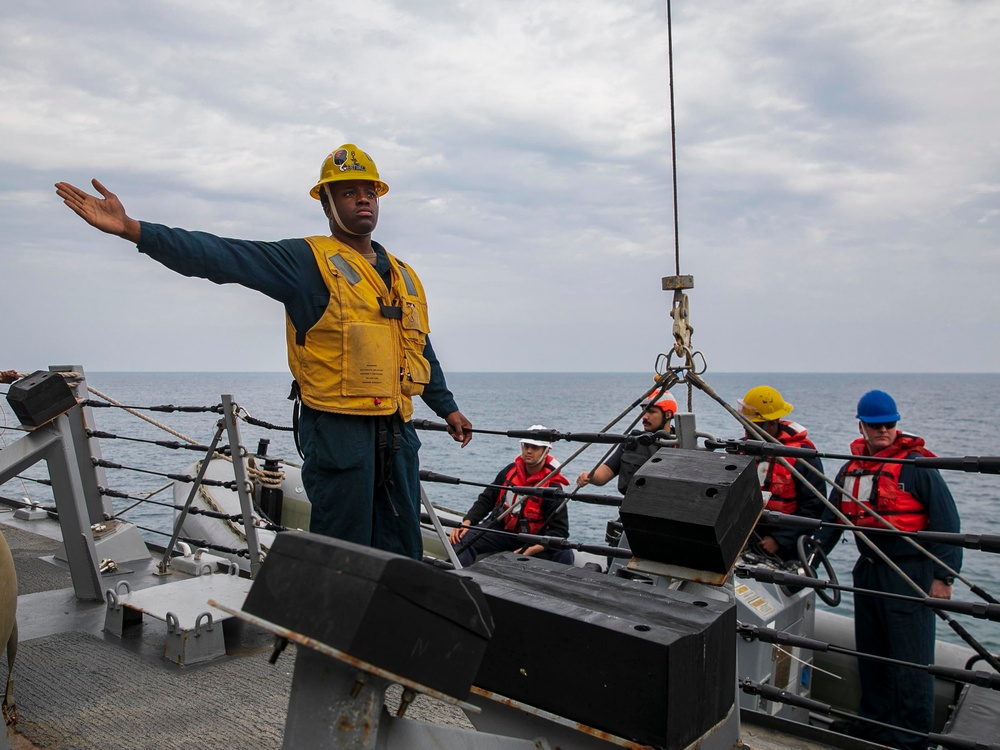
point(32, 512)
point(199, 563)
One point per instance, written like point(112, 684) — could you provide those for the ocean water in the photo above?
point(954, 413)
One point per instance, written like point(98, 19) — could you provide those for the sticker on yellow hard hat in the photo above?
point(348, 163)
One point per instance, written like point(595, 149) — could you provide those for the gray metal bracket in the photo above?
point(243, 489)
point(242, 483)
point(86, 448)
point(194, 632)
point(53, 443)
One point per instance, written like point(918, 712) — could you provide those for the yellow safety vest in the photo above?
point(365, 355)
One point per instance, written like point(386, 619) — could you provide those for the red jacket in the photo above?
point(777, 478)
point(876, 486)
point(531, 509)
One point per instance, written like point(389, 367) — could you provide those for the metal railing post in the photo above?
point(242, 484)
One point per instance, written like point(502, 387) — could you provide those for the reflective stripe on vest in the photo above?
point(877, 487)
point(531, 509)
point(365, 353)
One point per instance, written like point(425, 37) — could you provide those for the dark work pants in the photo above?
point(489, 543)
point(339, 476)
point(902, 696)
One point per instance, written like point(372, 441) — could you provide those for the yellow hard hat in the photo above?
point(764, 404)
point(349, 163)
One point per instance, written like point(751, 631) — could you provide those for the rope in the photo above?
point(270, 479)
point(140, 415)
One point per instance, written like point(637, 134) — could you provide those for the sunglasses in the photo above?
point(880, 425)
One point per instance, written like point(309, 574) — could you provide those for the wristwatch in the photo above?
point(949, 580)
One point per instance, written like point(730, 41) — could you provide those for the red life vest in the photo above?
point(777, 478)
point(876, 486)
point(531, 509)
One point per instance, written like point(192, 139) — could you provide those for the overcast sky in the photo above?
point(838, 175)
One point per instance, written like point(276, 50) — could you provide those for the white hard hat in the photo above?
point(533, 441)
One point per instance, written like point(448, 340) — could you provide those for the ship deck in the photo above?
point(79, 687)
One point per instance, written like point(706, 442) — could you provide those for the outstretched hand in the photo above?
point(106, 213)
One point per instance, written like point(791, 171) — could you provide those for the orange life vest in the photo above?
point(531, 509)
point(777, 478)
point(876, 486)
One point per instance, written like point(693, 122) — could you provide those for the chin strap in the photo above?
point(333, 210)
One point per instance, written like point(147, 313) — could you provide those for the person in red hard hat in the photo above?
point(910, 499)
point(356, 334)
point(624, 462)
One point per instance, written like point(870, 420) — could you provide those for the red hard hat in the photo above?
point(662, 400)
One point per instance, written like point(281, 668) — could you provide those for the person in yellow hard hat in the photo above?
point(625, 460)
point(783, 491)
point(356, 333)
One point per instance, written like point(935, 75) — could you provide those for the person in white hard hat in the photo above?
point(535, 467)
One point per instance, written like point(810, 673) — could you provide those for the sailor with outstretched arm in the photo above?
point(356, 332)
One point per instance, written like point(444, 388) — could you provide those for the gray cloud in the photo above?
point(838, 176)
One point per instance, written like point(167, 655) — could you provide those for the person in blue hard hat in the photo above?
point(357, 338)
point(909, 499)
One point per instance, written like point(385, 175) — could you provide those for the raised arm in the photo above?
point(106, 213)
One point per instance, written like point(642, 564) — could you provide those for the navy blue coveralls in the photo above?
point(902, 630)
point(338, 472)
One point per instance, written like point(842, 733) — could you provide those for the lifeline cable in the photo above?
point(662, 382)
point(957, 627)
point(783, 638)
point(771, 693)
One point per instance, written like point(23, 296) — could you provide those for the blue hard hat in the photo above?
point(877, 406)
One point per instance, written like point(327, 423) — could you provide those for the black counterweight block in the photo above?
point(40, 397)
point(652, 665)
point(401, 615)
point(692, 509)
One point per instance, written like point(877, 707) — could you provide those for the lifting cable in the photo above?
point(663, 383)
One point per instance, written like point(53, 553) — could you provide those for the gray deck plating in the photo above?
point(78, 688)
